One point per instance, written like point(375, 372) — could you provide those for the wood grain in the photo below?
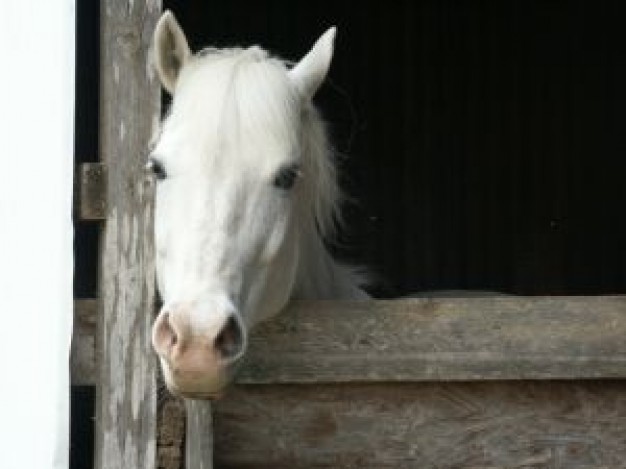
point(505, 425)
point(441, 339)
point(199, 437)
point(129, 106)
point(431, 339)
point(171, 432)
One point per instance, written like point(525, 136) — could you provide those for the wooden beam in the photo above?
point(126, 390)
point(441, 339)
point(435, 339)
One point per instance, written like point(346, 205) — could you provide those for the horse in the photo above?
point(246, 197)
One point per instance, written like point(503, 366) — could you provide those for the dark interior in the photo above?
point(483, 143)
point(86, 235)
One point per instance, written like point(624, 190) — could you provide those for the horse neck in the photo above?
point(320, 276)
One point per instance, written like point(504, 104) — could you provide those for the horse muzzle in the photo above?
point(198, 363)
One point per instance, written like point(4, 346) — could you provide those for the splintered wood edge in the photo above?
point(414, 340)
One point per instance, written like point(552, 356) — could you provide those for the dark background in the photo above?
point(483, 142)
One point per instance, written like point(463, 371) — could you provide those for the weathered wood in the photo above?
point(541, 424)
point(441, 339)
point(496, 338)
point(171, 433)
point(91, 196)
point(83, 354)
point(199, 440)
point(129, 105)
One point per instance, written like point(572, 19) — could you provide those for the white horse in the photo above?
point(246, 194)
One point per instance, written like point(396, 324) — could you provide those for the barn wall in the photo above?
point(485, 139)
point(36, 231)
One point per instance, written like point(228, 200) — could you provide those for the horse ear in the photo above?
point(309, 73)
point(171, 50)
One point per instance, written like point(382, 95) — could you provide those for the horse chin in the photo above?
point(196, 394)
point(199, 388)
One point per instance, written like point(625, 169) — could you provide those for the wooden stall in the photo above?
point(114, 190)
point(464, 382)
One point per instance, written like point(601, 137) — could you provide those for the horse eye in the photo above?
point(157, 169)
point(286, 177)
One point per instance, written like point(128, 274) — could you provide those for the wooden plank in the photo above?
point(199, 438)
point(441, 339)
point(129, 105)
point(430, 339)
point(91, 198)
point(83, 353)
point(541, 424)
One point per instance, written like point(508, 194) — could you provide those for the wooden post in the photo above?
point(199, 439)
point(126, 375)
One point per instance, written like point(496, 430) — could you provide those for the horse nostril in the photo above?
point(229, 342)
point(165, 337)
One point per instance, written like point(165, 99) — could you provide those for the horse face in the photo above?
point(228, 165)
point(226, 246)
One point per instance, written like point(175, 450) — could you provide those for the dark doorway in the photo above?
point(485, 141)
point(86, 234)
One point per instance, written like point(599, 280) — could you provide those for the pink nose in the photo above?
point(197, 363)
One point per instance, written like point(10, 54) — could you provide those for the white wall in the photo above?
point(36, 152)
